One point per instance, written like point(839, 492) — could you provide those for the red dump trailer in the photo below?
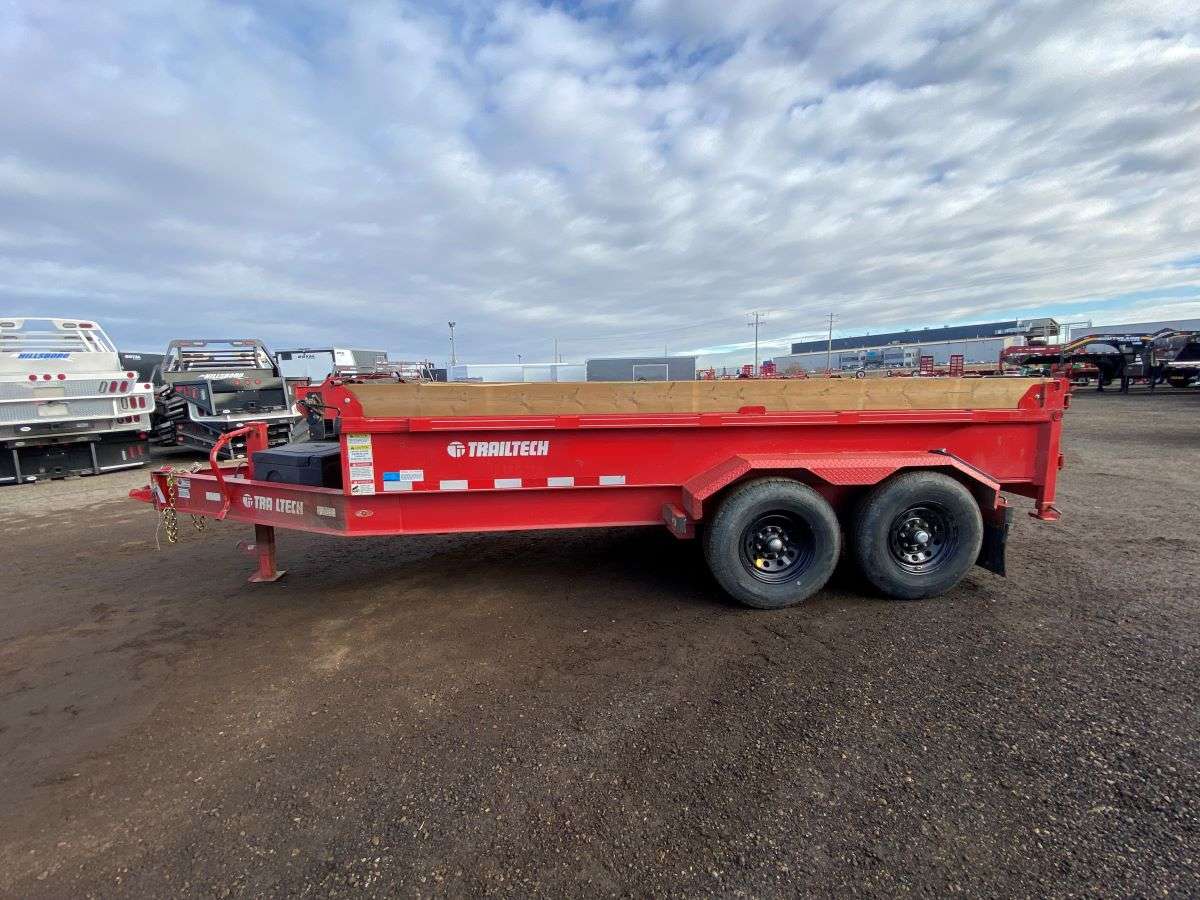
point(774, 475)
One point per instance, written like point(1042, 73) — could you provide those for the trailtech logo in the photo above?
point(498, 448)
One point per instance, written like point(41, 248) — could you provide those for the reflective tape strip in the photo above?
point(213, 496)
point(327, 511)
point(612, 479)
point(393, 486)
point(453, 485)
point(561, 481)
point(508, 482)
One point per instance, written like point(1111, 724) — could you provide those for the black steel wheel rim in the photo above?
point(777, 547)
point(923, 538)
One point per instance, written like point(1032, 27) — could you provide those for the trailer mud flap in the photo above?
point(995, 539)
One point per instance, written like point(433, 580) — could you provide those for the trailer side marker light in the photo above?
point(46, 377)
point(62, 377)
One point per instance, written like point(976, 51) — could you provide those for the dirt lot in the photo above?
point(583, 713)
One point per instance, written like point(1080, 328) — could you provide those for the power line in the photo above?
point(829, 346)
point(758, 318)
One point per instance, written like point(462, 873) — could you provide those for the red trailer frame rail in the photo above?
point(420, 475)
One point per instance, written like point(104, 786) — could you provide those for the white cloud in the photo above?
point(621, 177)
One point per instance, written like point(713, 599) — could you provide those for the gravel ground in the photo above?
point(582, 713)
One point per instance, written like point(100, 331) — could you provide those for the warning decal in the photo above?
point(362, 463)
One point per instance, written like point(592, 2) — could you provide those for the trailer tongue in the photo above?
point(773, 471)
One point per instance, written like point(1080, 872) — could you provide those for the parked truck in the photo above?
point(208, 388)
point(68, 406)
point(774, 474)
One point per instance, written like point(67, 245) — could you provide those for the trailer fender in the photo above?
point(842, 469)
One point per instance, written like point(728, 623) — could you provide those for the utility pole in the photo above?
point(757, 318)
point(453, 361)
point(557, 358)
point(829, 347)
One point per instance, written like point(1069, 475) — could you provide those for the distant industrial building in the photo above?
point(1081, 330)
point(627, 368)
point(516, 372)
point(979, 343)
point(642, 368)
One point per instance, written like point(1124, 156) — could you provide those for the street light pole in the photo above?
point(453, 361)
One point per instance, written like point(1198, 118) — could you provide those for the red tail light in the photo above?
point(124, 387)
point(112, 387)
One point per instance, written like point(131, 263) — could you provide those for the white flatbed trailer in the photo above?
point(67, 405)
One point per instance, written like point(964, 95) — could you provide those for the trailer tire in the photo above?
point(917, 534)
point(772, 543)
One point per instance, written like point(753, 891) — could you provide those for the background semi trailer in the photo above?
point(317, 364)
point(774, 474)
point(207, 388)
point(68, 406)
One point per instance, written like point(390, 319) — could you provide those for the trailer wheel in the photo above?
point(917, 534)
point(773, 543)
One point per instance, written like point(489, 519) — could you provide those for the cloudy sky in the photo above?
point(623, 176)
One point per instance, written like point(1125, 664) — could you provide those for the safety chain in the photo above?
point(170, 516)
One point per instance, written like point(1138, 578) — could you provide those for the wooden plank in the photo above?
point(781, 395)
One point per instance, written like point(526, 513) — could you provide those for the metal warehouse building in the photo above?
point(642, 368)
point(979, 343)
point(514, 372)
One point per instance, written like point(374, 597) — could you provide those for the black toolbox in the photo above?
point(314, 463)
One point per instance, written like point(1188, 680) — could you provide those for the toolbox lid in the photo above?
point(298, 454)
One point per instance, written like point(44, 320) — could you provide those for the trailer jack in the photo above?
point(263, 548)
